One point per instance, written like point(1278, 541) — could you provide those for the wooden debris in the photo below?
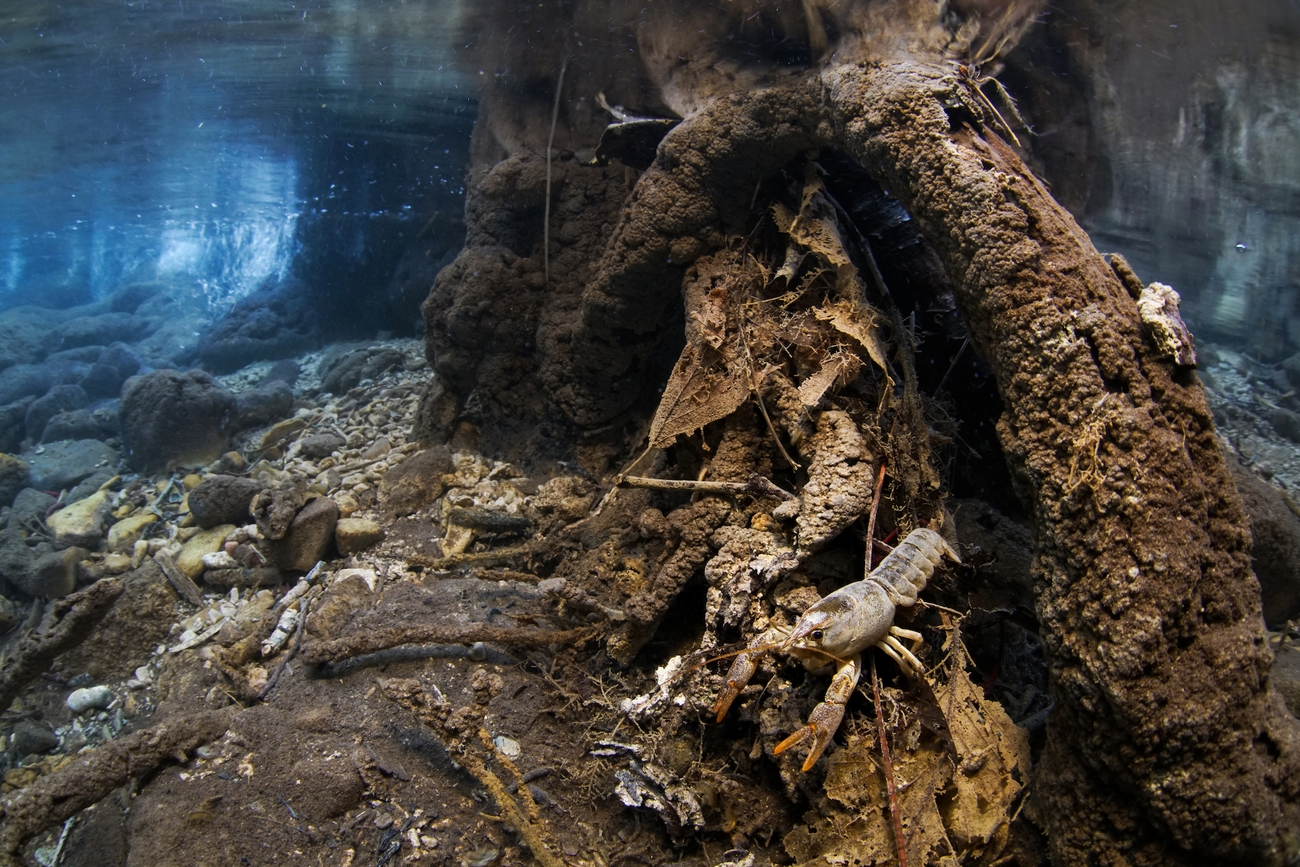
point(188, 590)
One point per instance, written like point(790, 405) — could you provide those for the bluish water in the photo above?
point(207, 143)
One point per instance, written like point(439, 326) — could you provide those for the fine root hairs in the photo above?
point(550, 142)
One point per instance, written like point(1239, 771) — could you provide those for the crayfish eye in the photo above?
point(816, 635)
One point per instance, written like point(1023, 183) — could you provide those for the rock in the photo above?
point(231, 463)
point(343, 372)
point(347, 503)
point(13, 478)
point(264, 404)
point(136, 624)
point(308, 538)
point(54, 575)
point(168, 415)
point(275, 510)
point(319, 446)
point(190, 560)
point(60, 398)
point(129, 297)
point(121, 358)
point(30, 505)
point(82, 424)
point(8, 613)
point(1275, 545)
point(12, 420)
point(81, 355)
point(32, 738)
point(223, 500)
point(415, 482)
point(286, 370)
point(116, 564)
point(21, 331)
point(24, 380)
point(89, 485)
point(377, 449)
point(61, 465)
point(1286, 675)
point(81, 523)
point(102, 381)
point(102, 330)
point(264, 576)
point(90, 698)
point(16, 557)
point(122, 536)
point(356, 534)
point(277, 320)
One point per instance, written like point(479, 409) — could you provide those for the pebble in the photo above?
point(508, 747)
point(90, 698)
point(356, 534)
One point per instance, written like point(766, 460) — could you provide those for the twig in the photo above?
point(875, 507)
point(889, 769)
point(479, 557)
point(755, 486)
point(289, 652)
point(550, 142)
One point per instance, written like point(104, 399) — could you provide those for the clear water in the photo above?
point(199, 142)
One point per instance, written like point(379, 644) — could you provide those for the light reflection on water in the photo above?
point(184, 140)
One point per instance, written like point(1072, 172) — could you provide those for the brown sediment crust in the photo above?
point(1166, 730)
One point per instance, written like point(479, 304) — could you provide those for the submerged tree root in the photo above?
point(77, 615)
point(1168, 744)
point(93, 776)
point(349, 646)
point(1167, 729)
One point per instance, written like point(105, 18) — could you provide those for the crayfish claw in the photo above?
point(725, 698)
point(822, 725)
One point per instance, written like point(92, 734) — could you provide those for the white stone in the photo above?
point(90, 698)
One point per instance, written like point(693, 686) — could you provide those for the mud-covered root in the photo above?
point(460, 730)
point(74, 618)
point(92, 776)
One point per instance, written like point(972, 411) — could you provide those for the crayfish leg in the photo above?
point(906, 658)
point(825, 719)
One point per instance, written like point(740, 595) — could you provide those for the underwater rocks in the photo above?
point(169, 415)
point(223, 500)
point(60, 465)
point(276, 321)
point(340, 372)
point(59, 399)
point(13, 478)
point(415, 482)
point(308, 536)
point(353, 535)
point(83, 522)
point(267, 403)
